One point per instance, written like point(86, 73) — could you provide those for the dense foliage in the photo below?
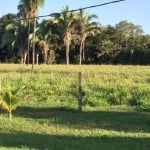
point(70, 37)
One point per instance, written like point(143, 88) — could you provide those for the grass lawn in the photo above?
point(43, 122)
point(60, 128)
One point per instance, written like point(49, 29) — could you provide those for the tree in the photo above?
point(25, 15)
point(128, 34)
point(22, 41)
point(65, 24)
point(108, 46)
point(32, 7)
point(129, 37)
point(7, 37)
point(46, 40)
point(85, 28)
point(15, 37)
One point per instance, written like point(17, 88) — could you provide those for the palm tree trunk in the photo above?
point(67, 44)
point(67, 53)
point(28, 41)
point(25, 57)
point(37, 58)
point(33, 50)
point(22, 59)
point(10, 115)
point(45, 58)
point(80, 53)
point(45, 55)
point(83, 50)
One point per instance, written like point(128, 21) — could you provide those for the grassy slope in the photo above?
point(102, 84)
point(62, 128)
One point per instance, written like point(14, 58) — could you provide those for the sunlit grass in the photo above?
point(47, 118)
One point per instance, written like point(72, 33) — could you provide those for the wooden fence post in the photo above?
point(0, 84)
point(0, 90)
point(80, 93)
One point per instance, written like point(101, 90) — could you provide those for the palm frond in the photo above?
point(9, 99)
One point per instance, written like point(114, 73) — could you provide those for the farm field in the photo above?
point(116, 108)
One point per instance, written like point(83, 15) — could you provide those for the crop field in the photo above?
point(116, 108)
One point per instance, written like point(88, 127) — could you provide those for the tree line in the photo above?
point(69, 38)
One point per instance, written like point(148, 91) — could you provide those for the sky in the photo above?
point(133, 11)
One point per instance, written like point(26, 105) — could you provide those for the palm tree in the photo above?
point(9, 100)
point(22, 41)
point(85, 28)
point(65, 23)
point(34, 4)
point(25, 13)
point(45, 36)
point(32, 7)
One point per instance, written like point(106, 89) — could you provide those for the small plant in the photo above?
point(9, 100)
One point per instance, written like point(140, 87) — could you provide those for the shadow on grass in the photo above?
point(1, 111)
point(109, 120)
point(57, 142)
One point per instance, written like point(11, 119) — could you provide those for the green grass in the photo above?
point(62, 128)
point(102, 85)
point(47, 118)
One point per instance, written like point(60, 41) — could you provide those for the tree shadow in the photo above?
point(109, 120)
point(62, 142)
point(2, 111)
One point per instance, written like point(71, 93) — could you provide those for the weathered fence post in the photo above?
point(80, 93)
point(0, 84)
